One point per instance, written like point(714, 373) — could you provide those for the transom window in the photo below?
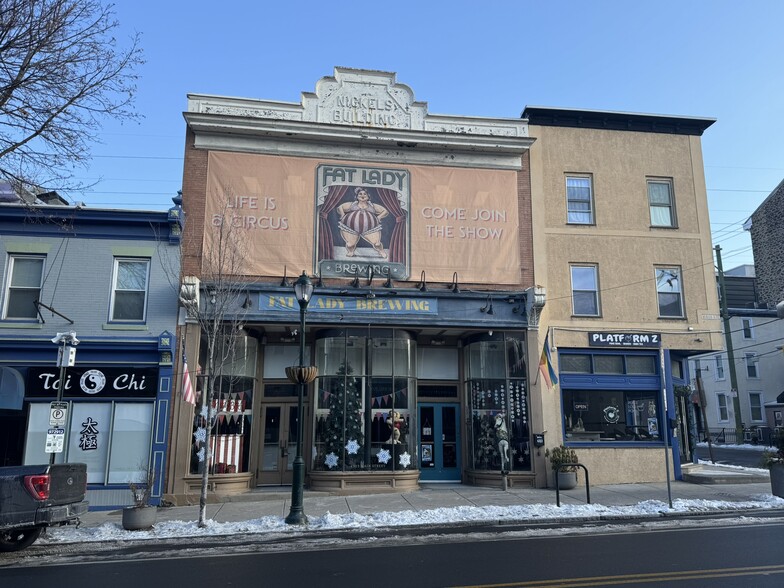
point(585, 290)
point(129, 295)
point(579, 200)
point(669, 293)
point(24, 286)
point(661, 203)
point(587, 363)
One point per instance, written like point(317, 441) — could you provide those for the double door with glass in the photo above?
point(279, 443)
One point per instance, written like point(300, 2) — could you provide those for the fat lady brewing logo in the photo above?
point(363, 221)
point(92, 381)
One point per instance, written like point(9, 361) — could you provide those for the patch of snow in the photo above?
point(273, 525)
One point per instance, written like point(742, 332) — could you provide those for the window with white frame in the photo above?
point(752, 370)
point(585, 290)
point(720, 368)
point(669, 292)
point(748, 333)
point(661, 203)
point(129, 294)
point(23, 289)
point(755, 404)
point(721, 403)
point(579, 200)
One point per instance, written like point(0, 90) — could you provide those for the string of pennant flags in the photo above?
point(398, 396)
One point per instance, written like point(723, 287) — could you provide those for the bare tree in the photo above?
point(221, 317)
point(62, 74)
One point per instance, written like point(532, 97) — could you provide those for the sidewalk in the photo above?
point(713, 483)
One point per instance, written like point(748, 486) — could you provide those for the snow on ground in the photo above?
point(464, 514)
point(272, 526)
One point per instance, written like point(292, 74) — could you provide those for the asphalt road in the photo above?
point(704, 552)
point(739, 457)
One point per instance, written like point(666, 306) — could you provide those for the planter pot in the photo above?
point(777, 479)
point(139, 518)
point(567, 480)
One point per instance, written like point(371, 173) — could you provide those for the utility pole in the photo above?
point(725, 315)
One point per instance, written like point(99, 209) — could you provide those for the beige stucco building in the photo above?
point(619, 209)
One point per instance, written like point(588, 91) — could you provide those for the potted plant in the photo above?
point(141, 515)
point(558, 456)
point(774, 461)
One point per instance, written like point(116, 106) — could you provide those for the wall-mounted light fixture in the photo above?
point(355, 281)
point(388, 283)
point(488, 307)
point(285, 281)
point(246, 304)
point(319, 281)
point(453, 286)
point(422, 285)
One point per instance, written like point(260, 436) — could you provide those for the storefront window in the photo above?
point(231, 413)
point(365, 394)
point(498, 403)
point(626, 407)
point(112, 438)
point(611, 415)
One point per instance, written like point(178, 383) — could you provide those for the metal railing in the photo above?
point(751, 435)
point(558, 468)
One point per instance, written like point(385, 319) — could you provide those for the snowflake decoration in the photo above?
point(200, 435)
point(352, 446)
point(203, 412)
point(384, 456)
point(200, 454)
point(331, 460)
point(405, 459)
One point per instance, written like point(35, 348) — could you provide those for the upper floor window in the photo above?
point(751, 365)
point(585, 290)
point(579, 200)
point(755, 404)
point(661, 203)
point(25, 275)
point(129, 294)
point(721, 404)
point(668, 290)
point(748, 333)
point(719, 368)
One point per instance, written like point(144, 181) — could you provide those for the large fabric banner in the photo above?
point(342, 219)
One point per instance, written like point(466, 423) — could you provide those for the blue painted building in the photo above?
point(109, 278)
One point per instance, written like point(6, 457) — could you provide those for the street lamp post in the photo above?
point(301, 375)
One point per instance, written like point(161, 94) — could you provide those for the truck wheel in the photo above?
point(16, 539)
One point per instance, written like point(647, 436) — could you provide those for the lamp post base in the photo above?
point(296, 514)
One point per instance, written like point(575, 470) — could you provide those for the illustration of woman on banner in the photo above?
point(361, 219)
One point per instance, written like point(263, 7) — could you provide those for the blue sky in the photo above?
point(706, 58)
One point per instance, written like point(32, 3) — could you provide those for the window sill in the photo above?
point(124, 327)
point(11, 324)
point(665, 227)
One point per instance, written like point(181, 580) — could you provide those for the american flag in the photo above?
point(187, 388)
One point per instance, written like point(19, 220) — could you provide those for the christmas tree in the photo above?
point(344, 421)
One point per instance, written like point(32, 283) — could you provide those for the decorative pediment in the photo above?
point(364, 98)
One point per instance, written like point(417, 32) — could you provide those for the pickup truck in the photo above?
point(34, 497)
